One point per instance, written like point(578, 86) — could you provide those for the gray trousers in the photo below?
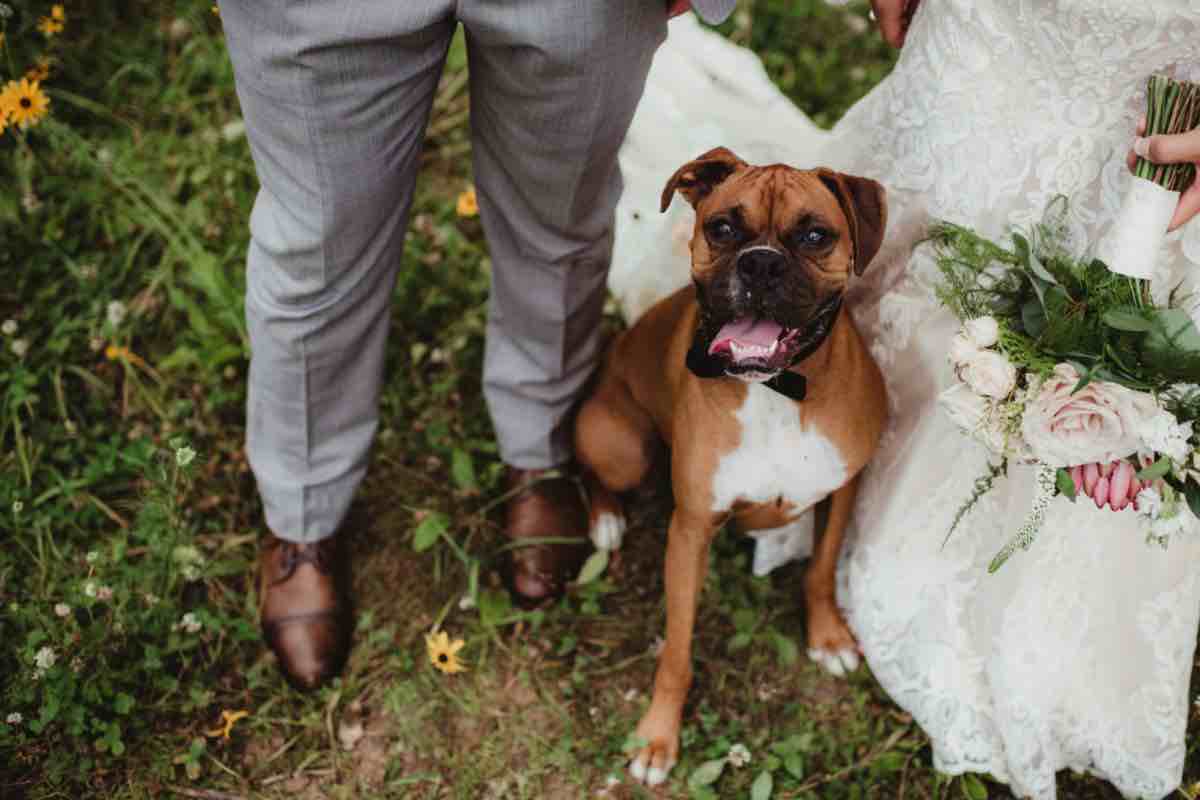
point(336, 96)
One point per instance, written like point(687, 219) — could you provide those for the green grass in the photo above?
point(137, 189)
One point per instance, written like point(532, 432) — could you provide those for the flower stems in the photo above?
point(1171, 107)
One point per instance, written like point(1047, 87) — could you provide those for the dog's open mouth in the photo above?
point(755, 349)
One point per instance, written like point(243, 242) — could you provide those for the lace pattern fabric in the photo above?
point(1076, 654)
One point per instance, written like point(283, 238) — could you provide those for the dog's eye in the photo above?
point(814, 236)
point(721, 231)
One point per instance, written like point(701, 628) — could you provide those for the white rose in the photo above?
point(962, 348)
point(983, 331)
point(989, 373)
point(1099, 423)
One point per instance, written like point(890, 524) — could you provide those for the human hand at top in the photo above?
point(893, 17)
point(1171, 149)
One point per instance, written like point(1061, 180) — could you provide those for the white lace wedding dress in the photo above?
point(1077, 653)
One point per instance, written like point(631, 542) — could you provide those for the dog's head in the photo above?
point(773, 250)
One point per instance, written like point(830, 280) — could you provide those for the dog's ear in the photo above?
point(697, 178)
point(864, 202)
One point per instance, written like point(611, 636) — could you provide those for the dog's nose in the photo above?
point(761, 266)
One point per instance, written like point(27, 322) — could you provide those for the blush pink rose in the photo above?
point(1099, 423)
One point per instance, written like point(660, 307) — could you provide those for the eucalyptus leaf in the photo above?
point(1066, 486)
point(1039, 269)
point(1156, 470)
point(1033, 317)
point(1127, 319)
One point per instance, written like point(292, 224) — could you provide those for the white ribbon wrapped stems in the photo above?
point(1132, 245)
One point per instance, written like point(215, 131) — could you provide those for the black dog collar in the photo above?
point(789, 384)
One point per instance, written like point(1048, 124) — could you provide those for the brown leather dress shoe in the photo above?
point(304, 608)
point(549, 506)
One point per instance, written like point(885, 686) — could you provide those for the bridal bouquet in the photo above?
point(1066, 364)
point(1062, 363)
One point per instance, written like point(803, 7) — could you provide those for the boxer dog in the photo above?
point(757, 380)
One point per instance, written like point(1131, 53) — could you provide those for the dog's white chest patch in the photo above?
point(777, 457)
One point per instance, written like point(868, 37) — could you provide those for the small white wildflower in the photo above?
point(30, 202)
point(1149, 502)
point(6, 12)
point(104, 593)
point(93, 556)
point(18, 506)
point(104, 156)
point(76, 664)
point(189, 622)
point(466, 603)
point(191, 572)
point(19, 347)
point(184, 456)
point(116, 313)
point(9, 327)
point(45, 658)
point(739, 755)
point(61, 609)
point(89, 272)
point(858, 72)
point(857, 24)
point(14, 718)
point(96, 344)
point(151, 599)
point(89, 588)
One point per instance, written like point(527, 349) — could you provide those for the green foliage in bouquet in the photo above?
point(1055, 306)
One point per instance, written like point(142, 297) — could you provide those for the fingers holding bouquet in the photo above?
point(1164, 149)
point(893, 17)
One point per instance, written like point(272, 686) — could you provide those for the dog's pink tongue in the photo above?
point(760, 332)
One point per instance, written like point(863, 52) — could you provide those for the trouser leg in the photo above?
point(336, 97)
point(554, 84)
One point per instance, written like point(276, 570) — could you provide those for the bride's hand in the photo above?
point(677, 7)
point(893, 17)
point(1171, 150)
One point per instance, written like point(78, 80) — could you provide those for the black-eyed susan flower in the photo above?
point(443, 653)
point(49, 26)
point(468, 204)
point(23, 102)
point(228, 719)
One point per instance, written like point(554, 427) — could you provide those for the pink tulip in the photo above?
point(1118, 491)
point(1091, 474)
point(1077, 478)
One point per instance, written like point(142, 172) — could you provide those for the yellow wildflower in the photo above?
point(228, 718)
point(468, 203)
point(443, 653)
point(57, 13)
point(49, 26)
point(23, 102)
point(216, 9)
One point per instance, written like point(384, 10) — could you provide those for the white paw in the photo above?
point(651, 776)
point(608, 531)
point(837, 663)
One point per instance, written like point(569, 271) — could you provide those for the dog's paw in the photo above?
point(608, 530)
point(659, 729)
point(838, 663)
point(651, 765)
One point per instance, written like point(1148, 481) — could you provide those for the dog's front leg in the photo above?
point(688, 540)
point(830, 642)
